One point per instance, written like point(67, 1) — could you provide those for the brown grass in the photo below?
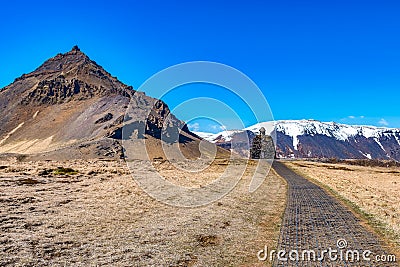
point(372, 189)
point(99, 216)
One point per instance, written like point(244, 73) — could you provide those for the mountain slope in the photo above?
point(315, 139)
point(71, 107)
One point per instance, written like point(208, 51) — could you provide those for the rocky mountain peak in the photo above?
point(71, 104)
point(66, 62)
point(68, 76)
point(75, 48)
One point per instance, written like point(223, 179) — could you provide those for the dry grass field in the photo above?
point(374, 190)
point(88, 213)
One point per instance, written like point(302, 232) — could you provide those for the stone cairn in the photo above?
point(263, 146)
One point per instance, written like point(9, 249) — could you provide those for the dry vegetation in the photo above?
point(374, 189)
point(84, 213)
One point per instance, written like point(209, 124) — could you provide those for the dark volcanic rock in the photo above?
point(105, 118)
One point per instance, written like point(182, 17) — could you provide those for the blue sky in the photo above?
point(325, 60)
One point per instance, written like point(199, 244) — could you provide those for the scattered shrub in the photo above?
point(58, 171)
point(28, 181)
point(64, 171)
point(363, 162)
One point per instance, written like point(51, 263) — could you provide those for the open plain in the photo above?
point(91, 212)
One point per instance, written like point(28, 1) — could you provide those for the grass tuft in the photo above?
point(64, 171)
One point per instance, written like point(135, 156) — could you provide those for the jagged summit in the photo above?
point(73, 59)
point(75, 48)
point(64, 62)
point(65, 77)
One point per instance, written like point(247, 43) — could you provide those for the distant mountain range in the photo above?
point(316, 139)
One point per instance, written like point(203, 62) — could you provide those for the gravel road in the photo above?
point(315, 221)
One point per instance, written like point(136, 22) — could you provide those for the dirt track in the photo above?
point(314, 220)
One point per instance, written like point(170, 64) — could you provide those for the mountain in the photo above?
point(237, 141)
point(70, 107)
point(315, 139)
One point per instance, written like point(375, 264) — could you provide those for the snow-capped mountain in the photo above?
point(238, 141)
point(225, 136)
point(315, 139)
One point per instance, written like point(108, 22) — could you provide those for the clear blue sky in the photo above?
point(325, 60)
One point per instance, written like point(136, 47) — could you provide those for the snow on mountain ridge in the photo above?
point(295, 128)
point(311, 138)
point(204, 135)
point(331, 129)
point(226, 135)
